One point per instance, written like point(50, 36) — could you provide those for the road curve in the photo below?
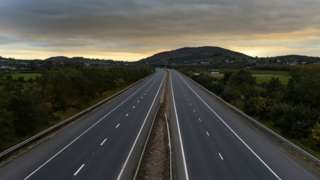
point(94, 147)
point(219, 144)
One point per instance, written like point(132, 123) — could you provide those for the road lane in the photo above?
point(75, 152)
point(215, 148)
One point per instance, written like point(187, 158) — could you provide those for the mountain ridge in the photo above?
point(202, 54)
point(186, 56)
point(217, 56)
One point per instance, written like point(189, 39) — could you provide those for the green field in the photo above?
point(261, 78)
point(261, 75)
point(25, 75)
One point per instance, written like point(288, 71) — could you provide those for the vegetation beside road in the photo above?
point(292, 108)
point(31, 102)
point(262, 76)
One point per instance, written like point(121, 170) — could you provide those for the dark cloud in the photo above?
point(129, 25)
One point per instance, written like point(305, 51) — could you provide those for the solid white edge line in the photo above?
point(144, 148)
point(221, 157)
point(136, 139)
point(208, 134)
point(79, 169)
point(178, 124)
point(84, 132)
point(233, 132)
point(102, 143)
point(169, 144)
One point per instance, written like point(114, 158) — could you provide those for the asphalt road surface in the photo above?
point(94, 147)
point(219, 144)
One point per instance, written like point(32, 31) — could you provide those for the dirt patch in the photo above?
point(155, 164)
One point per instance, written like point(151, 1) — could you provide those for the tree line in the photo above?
point(292, 109)
point(27, 106)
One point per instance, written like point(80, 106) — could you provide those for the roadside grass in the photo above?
point(261, 76)
point(25, 75)
point(64, 115)
point(305, 143)
point(72, 111)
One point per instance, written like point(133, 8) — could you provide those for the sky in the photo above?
point(133, 29)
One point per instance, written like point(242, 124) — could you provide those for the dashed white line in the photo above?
point(139, 133)
point(138, 101)
point(207, 133)
point(133, 107)
point(194, 110)
point(221, 157)
point(104, 141)
point(199, 119)
point(117, 125)
point(83, 133)
point(127, 115)
point(232, 131)
point(79, 169)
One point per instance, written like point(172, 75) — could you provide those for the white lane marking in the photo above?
point(169, 144)
point(127, 115)
point(199, 119)
point(142, 126)
point(133, 107)
point(221, 157)
point(79, 169)
point(194, 110)
point(232, 131)
point(181, 143)
point(84, 132)
point(138, 101)
point(117, 125)
point(105, 140)
point(207, 133)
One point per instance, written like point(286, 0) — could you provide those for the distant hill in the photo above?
point(198, 56)
point(292, 59)
point(55, 62)
point(220, 57)
point(216, 57)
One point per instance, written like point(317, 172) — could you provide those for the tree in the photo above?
point(6, 124)
point(28, 111)
point(259, 106)
point(241, 85)
point(274, 89)
point(296, 121)
point(316, 133)
point(303, 88)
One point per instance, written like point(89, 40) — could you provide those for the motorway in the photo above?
point(219, 143)
point(96, 146)
point(216, 142)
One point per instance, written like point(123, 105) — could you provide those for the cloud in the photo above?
point(140, 26)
